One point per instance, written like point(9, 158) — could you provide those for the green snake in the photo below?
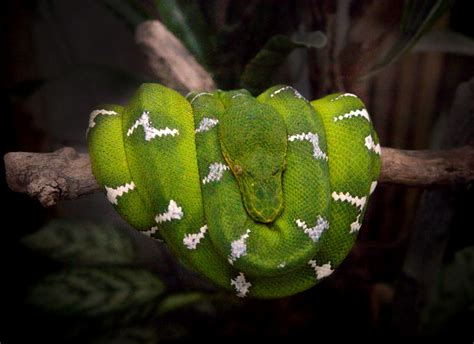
point(262, 195)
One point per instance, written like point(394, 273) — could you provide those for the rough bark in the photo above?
point(425, 168)
point(170, 61)
point(50, 177)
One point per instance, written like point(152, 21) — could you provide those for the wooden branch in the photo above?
point(50, 177)
point(427, 168)
point(66, 174)
point(170, 61)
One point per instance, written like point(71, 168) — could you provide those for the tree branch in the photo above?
point(50, 177)
point(66, 174)
point(170, 61)
point(427, 168)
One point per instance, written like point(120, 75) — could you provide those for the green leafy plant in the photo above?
point(101, 280)
point(418, 18)
point(183, 18)
point(82, 244)
point(258, 72)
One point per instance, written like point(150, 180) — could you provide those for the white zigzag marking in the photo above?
point(314, 232)
point(353, 113)
point(372, 187)
point(216, 171)
point(174, 212)
point(151, 231)
point(359, 202)
point(281, 265)
point(239, 247)
point(321, 270)
point(241, 285)
point(206, 124)
point(356, 201)
point(150, 131)
point(343, 96)
point(355, 226)
point(114, 193)
point(198, 95)
point(295, 92)
point(370, 144)
point(96, 113)
point(237, 95)
point(192, 240)
point(314, 140)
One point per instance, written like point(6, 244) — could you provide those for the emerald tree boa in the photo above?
point(263, 195)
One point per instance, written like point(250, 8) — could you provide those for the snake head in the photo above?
point(260, 183)
point(253, 141)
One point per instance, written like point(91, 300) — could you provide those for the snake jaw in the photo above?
point(262, 191)
point(263, 199)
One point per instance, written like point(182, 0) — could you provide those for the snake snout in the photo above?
point(263, 200)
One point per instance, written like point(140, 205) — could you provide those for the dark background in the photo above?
point(62, 58)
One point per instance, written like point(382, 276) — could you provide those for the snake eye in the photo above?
point(238, 170)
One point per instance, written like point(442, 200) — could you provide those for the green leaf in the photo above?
point(186, 21)
point(178, 301)
point(82, 243)
point(258, 73)
point(93, 292)
point(446, 41)
point(453, 293)
point(417, 18)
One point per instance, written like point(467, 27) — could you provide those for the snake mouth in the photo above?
point(263, 199)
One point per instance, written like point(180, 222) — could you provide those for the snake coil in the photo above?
point(264, 196)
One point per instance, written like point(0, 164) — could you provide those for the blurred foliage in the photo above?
point(101, 281)
point(129, 11)
point(209, 29)
point(446, 41)
point(258, 72)
point(453, 296)
point(82, 244)
point(175, 301)
point(186, 21)
point(93, 291)
point(195, 24)
point(418, 17)
point(183, 18)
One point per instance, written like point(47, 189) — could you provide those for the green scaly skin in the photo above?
point(264, 196)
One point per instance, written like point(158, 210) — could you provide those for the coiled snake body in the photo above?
point(264, 196)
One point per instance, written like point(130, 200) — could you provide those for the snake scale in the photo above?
point(262, 195)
